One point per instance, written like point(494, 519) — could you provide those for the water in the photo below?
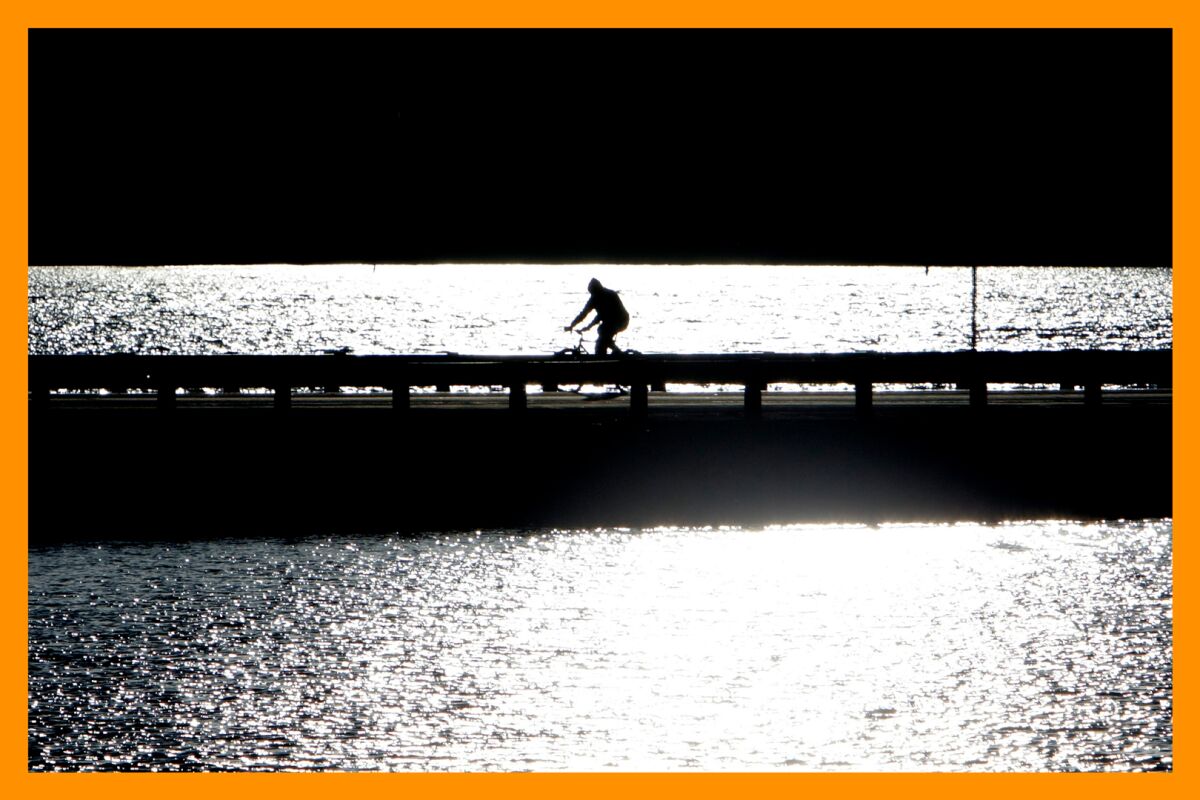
point(1039, 646)
point(1043, 646)
point(521, 309)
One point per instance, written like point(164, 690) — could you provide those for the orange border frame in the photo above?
point(20, 15)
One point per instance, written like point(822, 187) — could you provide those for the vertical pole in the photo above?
point(283, 397)
point(974, 305)
point(1091, 394)
point(165, 397)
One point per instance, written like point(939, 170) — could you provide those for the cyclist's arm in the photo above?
point(591, 303)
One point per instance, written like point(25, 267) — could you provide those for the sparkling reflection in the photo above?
point(521, 308)
point(1041, 646)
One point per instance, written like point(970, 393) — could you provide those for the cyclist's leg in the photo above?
point(604, 340)
point(613, 333)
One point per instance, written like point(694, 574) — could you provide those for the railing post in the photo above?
point(862, 398)
point(39, 397)
point(753, 401)
point(978, 394)
point(639, 400)
point(165, 397)
point(400, 397)
point(283, 397)
point(516, 397)
point(1091, 394)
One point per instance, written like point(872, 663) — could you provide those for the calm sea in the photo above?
point(1037, 646)
point(522, 309)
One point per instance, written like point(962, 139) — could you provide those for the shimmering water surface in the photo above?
point(521, 308)
point(1044, 646)
point(1041, 646)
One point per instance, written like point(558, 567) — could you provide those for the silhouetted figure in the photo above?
point(610, 313)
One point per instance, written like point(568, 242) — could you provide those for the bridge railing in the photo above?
point(165, 375)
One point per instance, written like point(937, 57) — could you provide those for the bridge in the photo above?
point(282, 375)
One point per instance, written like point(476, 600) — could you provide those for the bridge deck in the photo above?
point(166, 376)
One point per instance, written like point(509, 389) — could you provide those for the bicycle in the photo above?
point(576, 352)
point(579, 353)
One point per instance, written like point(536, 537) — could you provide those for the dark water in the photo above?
point(1039, 646)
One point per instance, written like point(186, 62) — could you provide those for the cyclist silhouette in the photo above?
point(610, 314)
